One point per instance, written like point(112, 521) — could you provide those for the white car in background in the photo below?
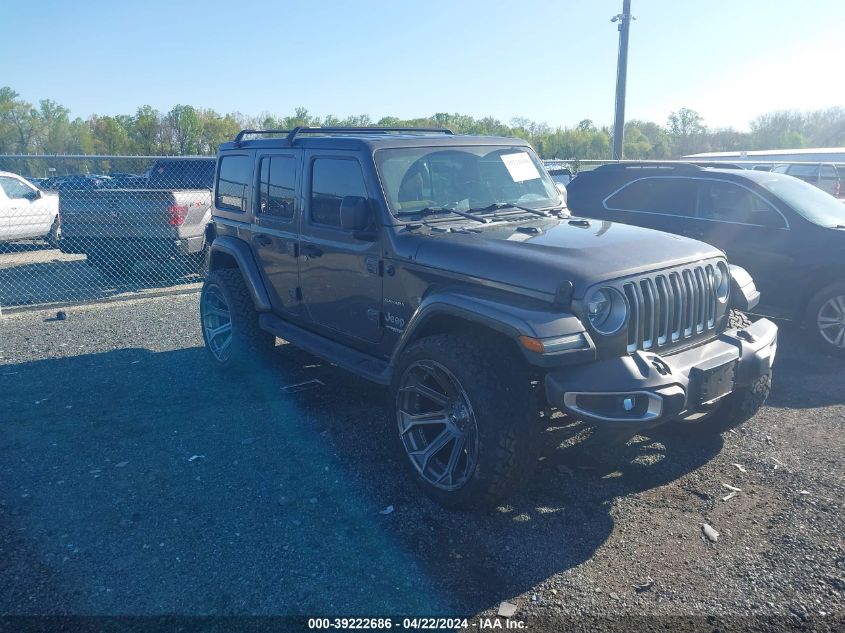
point(26, 212)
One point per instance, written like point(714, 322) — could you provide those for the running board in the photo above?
point(359, 363)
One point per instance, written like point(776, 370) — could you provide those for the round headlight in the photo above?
point(607, 310)
point(721, 282)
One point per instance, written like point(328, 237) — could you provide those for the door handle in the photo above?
point(263, 240)
point(309, 250)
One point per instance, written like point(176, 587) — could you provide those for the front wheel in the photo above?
point(825, 319)
point(464, 417)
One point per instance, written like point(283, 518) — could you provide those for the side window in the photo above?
point(671, 196)
point(233, 182)
point(728, 202)
point(15, 189)
point(277, 186)
point(332, 179)
point(828, 171)
point(780, 169)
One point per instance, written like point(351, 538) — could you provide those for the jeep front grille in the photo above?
point(671, 307)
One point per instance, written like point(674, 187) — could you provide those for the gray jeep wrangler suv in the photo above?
point(448, 268)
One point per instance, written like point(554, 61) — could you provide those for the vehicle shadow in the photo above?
point(28, 246)
point(479, 558)
point(147, 482)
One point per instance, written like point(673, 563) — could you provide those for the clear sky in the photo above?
point(552, 61)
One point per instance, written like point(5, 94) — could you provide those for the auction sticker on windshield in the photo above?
point(520, 166)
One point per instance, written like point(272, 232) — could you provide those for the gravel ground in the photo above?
point(136, 480)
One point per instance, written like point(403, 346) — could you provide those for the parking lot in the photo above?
point(138, 481)
point(31, 272)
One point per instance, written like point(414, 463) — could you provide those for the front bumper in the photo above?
point(644, 390)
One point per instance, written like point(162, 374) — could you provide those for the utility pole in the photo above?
point(624, 26)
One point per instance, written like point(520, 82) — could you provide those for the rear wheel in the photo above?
point(229, 321)
point(825, 319)
point(464, 418)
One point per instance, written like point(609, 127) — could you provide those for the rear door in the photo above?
point(828, 180)
point(275, 231)
point(664, 203)
point(340, 274)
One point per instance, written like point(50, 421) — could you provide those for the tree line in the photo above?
point(47, 128)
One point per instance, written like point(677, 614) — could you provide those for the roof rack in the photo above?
point(363, 130)
point(242, 133)
point(292, 134)
point(644, 164)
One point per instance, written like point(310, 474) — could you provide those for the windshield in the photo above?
point(814, 204)
point(463, 178)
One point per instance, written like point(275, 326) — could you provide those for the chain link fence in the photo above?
point(77, 229)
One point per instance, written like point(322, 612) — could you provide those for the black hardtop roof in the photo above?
point(363, 138)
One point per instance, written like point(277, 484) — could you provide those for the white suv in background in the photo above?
point(26, 212)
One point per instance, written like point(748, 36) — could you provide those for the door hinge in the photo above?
point(375, 266)
point(374, 315)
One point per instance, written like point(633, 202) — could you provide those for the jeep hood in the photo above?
point(540, 254)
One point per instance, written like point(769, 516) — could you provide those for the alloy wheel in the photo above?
point(831, 321)
point(437, 425)
point(216, 323)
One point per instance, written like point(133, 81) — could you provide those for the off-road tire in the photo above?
point(499, 390)
point(811, 318)
point(737, 319)
point(250, 346)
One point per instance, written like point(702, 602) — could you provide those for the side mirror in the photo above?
point(355, 213)
point(33, 195)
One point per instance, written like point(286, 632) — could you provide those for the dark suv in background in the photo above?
point(788, 234)
point(448, 268)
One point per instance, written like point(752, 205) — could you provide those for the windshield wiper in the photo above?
point(436, 210)
point(498, 206)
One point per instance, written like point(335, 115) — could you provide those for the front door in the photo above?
point(340, 273)
point(23, 214)
point(275, 234)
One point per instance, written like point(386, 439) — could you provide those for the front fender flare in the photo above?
point(241, 253)
point(486, 311)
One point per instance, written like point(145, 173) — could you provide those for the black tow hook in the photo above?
point(746, 336)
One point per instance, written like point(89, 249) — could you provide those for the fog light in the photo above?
point(628, 404)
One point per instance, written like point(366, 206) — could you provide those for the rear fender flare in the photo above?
point(241, 253)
